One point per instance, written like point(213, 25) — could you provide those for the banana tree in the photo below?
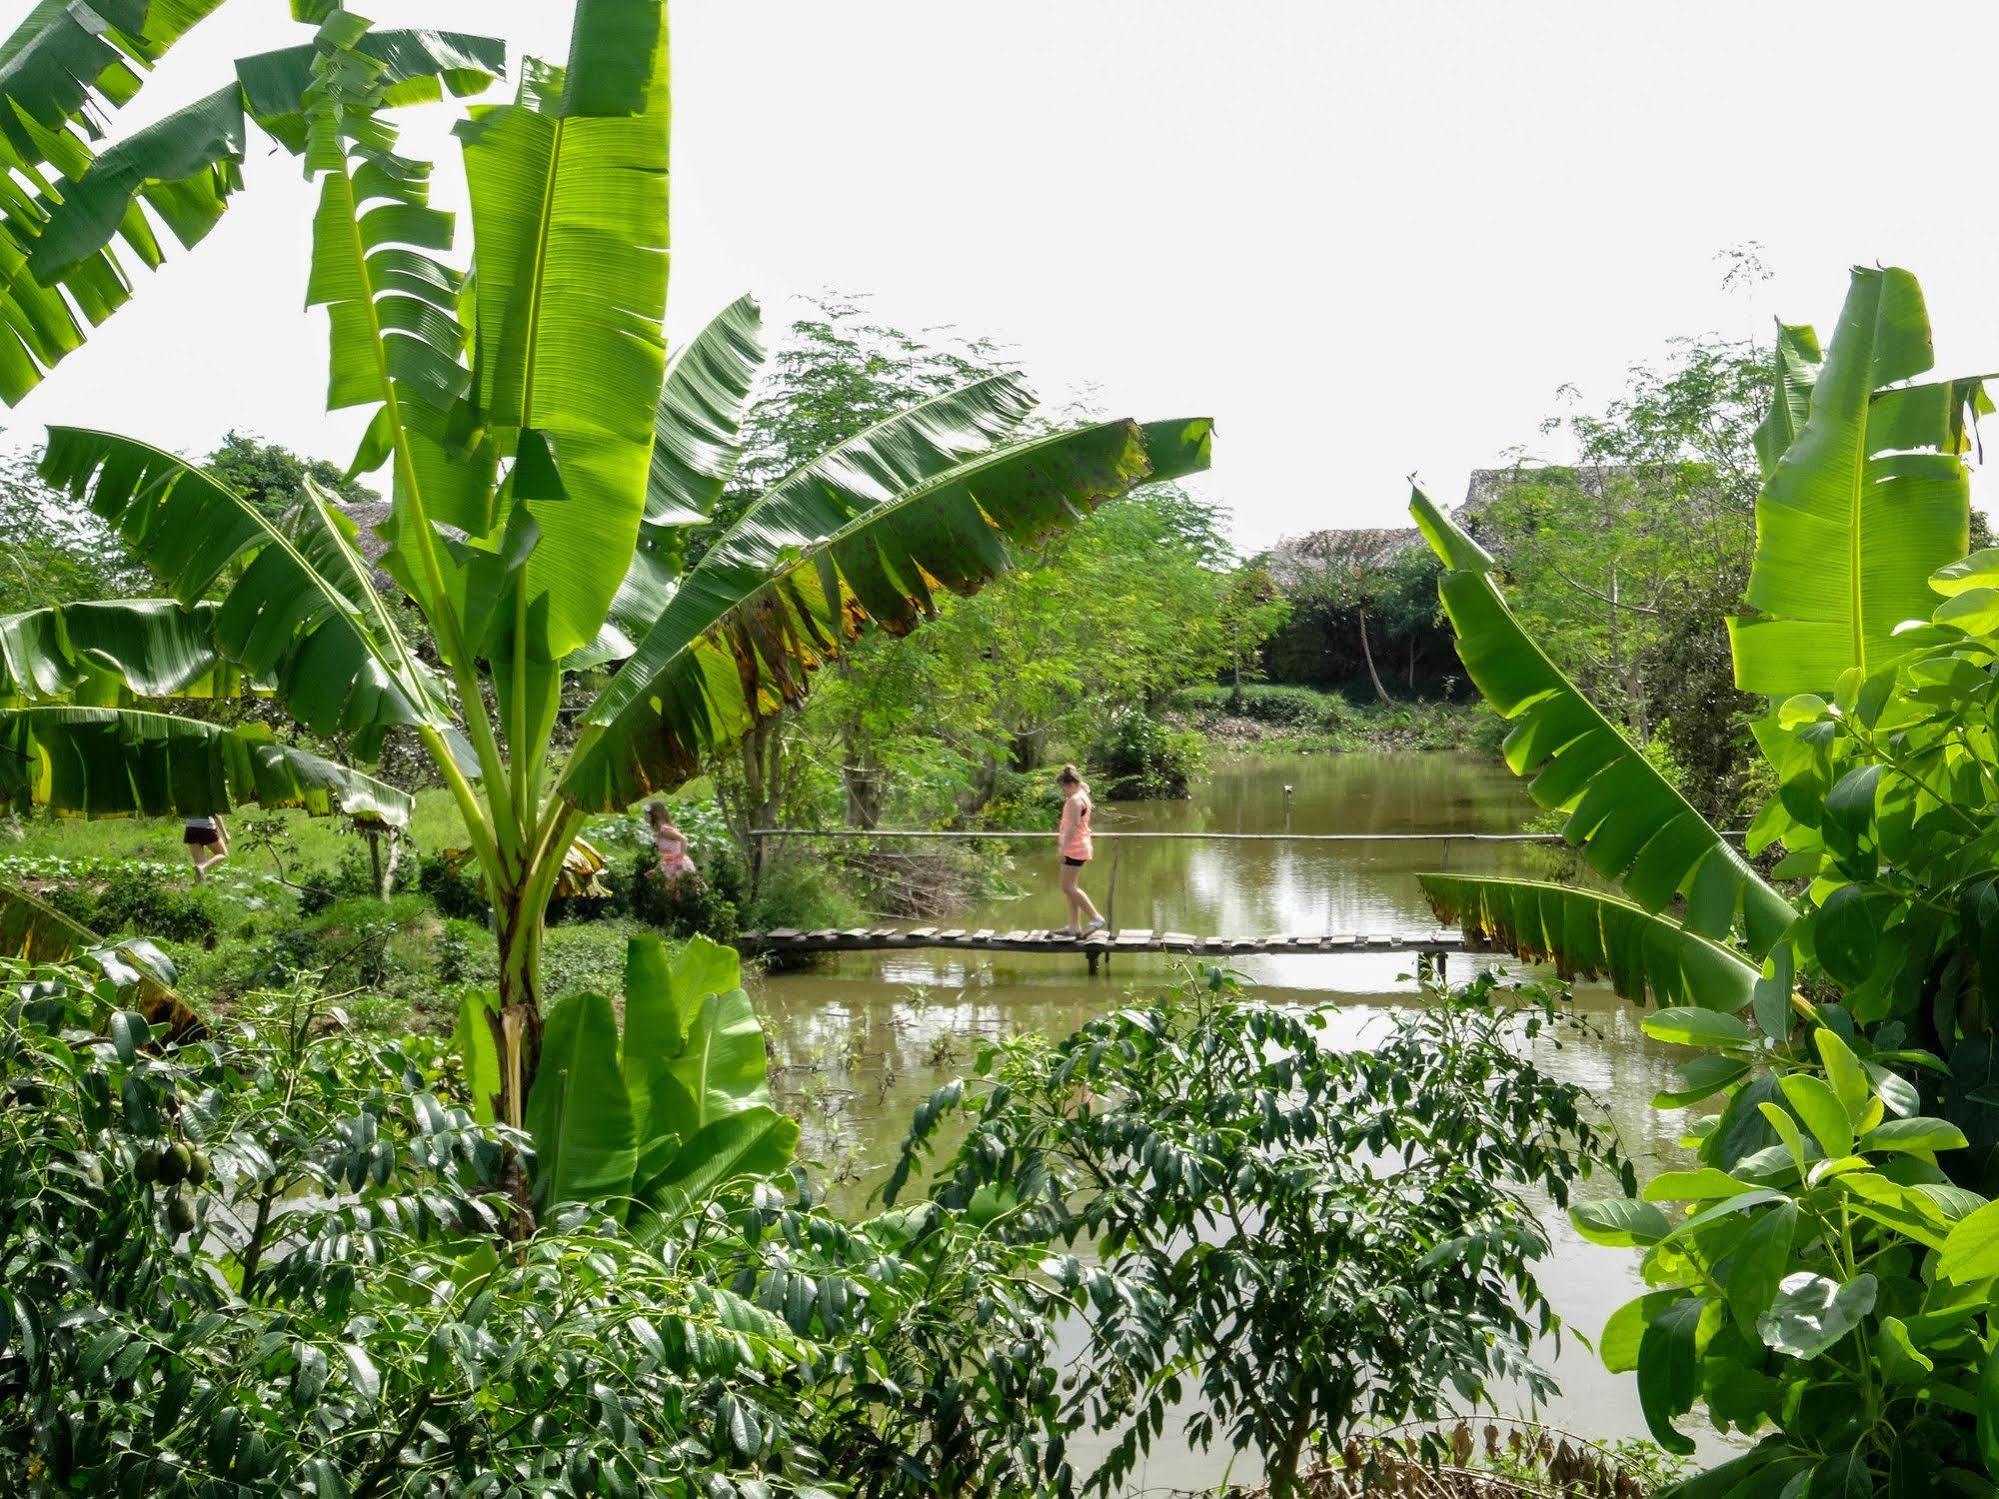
point(546, 458)
point(64, 204)
point(1865, 498)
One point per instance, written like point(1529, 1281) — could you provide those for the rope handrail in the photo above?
point(982, 833)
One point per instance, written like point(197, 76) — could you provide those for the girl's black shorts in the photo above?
point(1074, 863)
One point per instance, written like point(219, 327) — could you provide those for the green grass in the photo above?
point(315, 841)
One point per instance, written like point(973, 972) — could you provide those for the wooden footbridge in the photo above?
point(1430, 947)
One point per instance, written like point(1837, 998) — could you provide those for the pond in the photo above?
point(863, 1038)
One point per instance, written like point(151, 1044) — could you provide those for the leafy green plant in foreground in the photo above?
point(1825, 1277)
point(1315, 1239)
point(263, 1263)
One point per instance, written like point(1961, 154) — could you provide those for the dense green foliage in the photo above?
point(269, 1260)
point(1316, 1239)
point(1829, 1283)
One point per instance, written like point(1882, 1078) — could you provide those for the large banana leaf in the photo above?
point(569, 221)
point(868, 534)
point(1795, 361)
point(1634, 825)
point(109, 652)
point(694, 1052)
point(698, 424)
point(38, 933)
point(122, 762)
point(1870, 499)
point(185, 166)
point(578, 1111)
point(697, 433)
point(1585, 935)
point(301, 616)
point(66, 59)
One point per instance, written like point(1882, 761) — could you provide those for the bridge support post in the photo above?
point(1092, 956)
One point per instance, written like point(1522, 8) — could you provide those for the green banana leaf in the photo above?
point(1585, 935)
point(472, 1041)
point(65, 62)
point(180, 170)
point(868, 533)
point(110, 652)
point(662, 1115)
point(123, 762)
point(752, 1142)
point(1633, 824)
point(1795, 361)
point(185, 167)
point(302, 615)
point(395, 340)
point(1870, 499)
point(697, 433)
point(144, 976)
point(570, 236)
point(698, 424)
point(578, 1111)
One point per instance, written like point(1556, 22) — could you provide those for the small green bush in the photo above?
point(136, 903)
point(800, 892)
point(1135, 757)
point(454, 887)
point(1273, 703)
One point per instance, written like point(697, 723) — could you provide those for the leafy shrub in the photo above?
point(454, 886)
point(799, 891)
point(270, 1268)
point(134, 902)
point(682, 908)
point(1328, 1240)
point(1818, 1274)
point(1266, 702)
point(1135, 757)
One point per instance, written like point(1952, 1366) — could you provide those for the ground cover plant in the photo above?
point(1822, 1280)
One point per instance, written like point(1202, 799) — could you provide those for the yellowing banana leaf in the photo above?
point(569, 222)
point(123, 762)
point(110, 652)
point(868, 534)
point(1633, 824)
point(1871, 498)
point(301, 616)
point(38, 933)
point(1585, 935)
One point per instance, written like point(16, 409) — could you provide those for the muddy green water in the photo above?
point(865, 1037)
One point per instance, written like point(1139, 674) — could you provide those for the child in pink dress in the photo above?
point(674, 863)
point(1072, 838)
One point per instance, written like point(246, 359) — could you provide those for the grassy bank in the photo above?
point(1273, 719)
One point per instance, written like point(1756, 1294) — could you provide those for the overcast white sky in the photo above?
point(1365, 238)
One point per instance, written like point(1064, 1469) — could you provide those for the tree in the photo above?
point(56, 549)
point(273, 478)
point(546, 456)
point(1838, 1205)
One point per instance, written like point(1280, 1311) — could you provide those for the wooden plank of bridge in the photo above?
point(922, 933)
point(778, 934)
point(1137, 936)
point(952, 934)
point(983, 934)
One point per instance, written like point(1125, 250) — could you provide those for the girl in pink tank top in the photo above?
point(1072, 839)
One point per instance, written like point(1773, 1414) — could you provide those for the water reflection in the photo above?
point(863, 1039)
